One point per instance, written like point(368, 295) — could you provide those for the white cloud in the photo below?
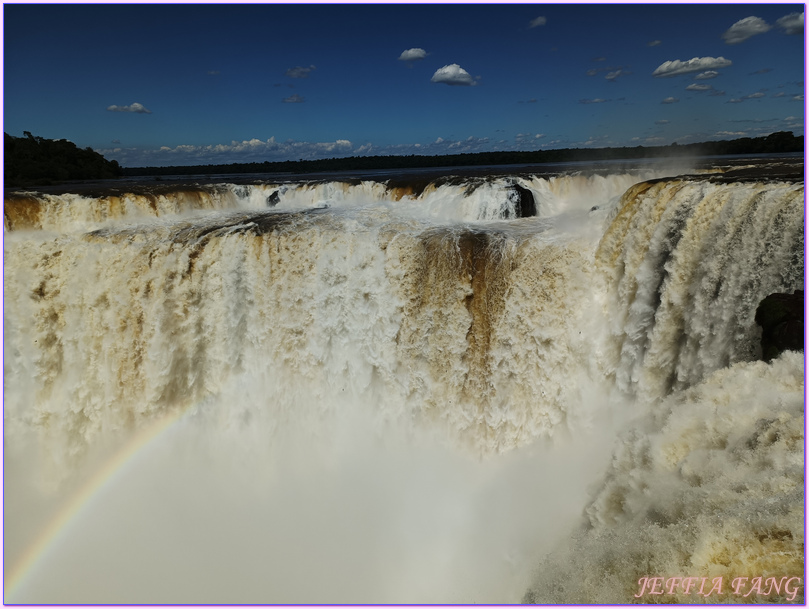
point(537, 22)
point(654, 43)
point(526, 136)
point(744, 29)
point(648, 140)
point(730, 134)
point(616, 74)
point(439, 146)
point(299, 72)
point(739, 100)
point(707, 75)
point(413, 54)
point(696, 87)
point(697, 64)
point(602, 140)
point(597, 100)
point(592, 72)
point(792, 23)
point(670, 100)
point(294, 99)
point(453, 74)
point(136, 107)
point(662, 122)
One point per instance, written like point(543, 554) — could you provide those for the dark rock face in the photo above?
point(781, 319)
point(273, 199)
point(526, 206)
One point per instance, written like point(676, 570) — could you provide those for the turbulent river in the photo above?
point(448, 389)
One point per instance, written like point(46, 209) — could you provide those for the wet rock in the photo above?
point(273, 199)
point(526, 205)
point(781, 319)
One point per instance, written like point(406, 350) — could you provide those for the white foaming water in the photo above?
point(400, 398)
point(688, 263)
point(467, 200)
point(708, 485)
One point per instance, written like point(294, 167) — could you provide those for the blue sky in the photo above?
point(198, 84)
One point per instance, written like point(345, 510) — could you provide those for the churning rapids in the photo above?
point(488, 389)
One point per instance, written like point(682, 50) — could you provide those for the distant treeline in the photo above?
point(33, 160)
point(783, 141)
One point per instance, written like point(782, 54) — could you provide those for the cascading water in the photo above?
point(381, 393)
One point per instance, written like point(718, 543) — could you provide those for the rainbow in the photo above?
point(56, 528)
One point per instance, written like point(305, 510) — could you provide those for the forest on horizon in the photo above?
point(779, 142)
point(31, 160)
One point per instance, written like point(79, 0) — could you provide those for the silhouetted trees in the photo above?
point(35, 160)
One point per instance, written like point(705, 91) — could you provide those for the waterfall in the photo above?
point(394, 392)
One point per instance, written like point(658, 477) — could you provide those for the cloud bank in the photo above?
point(453, 74)
point(257, 151)
point(136, 107)
point(247, 151)
point(697, 64)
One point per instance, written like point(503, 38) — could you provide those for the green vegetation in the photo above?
point(783, 141)
point(33, 160)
